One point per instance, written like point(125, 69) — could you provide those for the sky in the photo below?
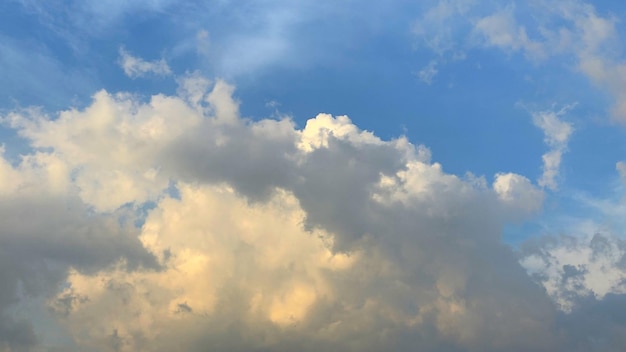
point(278, 175)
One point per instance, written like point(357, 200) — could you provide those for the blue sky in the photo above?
point(521, 101)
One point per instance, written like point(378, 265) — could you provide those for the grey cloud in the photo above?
point(250, 156)
point(16, 335)
point(40, 239)
point(335, 185)
point(280, 239)
point(64, 233)
point(596, 325)
point(586, 277)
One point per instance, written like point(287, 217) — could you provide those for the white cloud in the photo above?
point(519, 192)
point(572, 268)
point(592, 40)
point(621, 168)
point(136, 67)
point(597, 47)
point(501, 30)
point(586, 262)
point(556, 136)
point(259, 235)
point(429, 72)
point(110, 175)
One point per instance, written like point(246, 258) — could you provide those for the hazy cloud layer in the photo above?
point(174, 224)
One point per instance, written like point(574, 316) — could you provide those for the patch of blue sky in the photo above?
point(576, 213)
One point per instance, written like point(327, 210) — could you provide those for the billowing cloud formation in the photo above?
point(137, 67)
point(175, 224)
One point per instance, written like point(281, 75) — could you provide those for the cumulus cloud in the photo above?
point(175, 224)
point(556, 136)
point(518, 191)
point(137, 67)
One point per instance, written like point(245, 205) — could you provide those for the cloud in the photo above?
point(571, 31)
point(173, 223)
point(45, 230)
point(429, 72)
point(501, 30)
point(556, 136)
point(621, 168)
point(573, 268)
point(597, 49)
point(519, 192)
point(438, 28)
point(136, 67)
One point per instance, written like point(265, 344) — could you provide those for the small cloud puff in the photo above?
point(556, 136)
point(135, 67)
point(429, 72)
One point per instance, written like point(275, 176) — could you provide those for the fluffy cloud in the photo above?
point(174, 224)
point(556, 136)
point(137, 67)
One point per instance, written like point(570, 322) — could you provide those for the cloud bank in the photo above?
point(172, 223)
